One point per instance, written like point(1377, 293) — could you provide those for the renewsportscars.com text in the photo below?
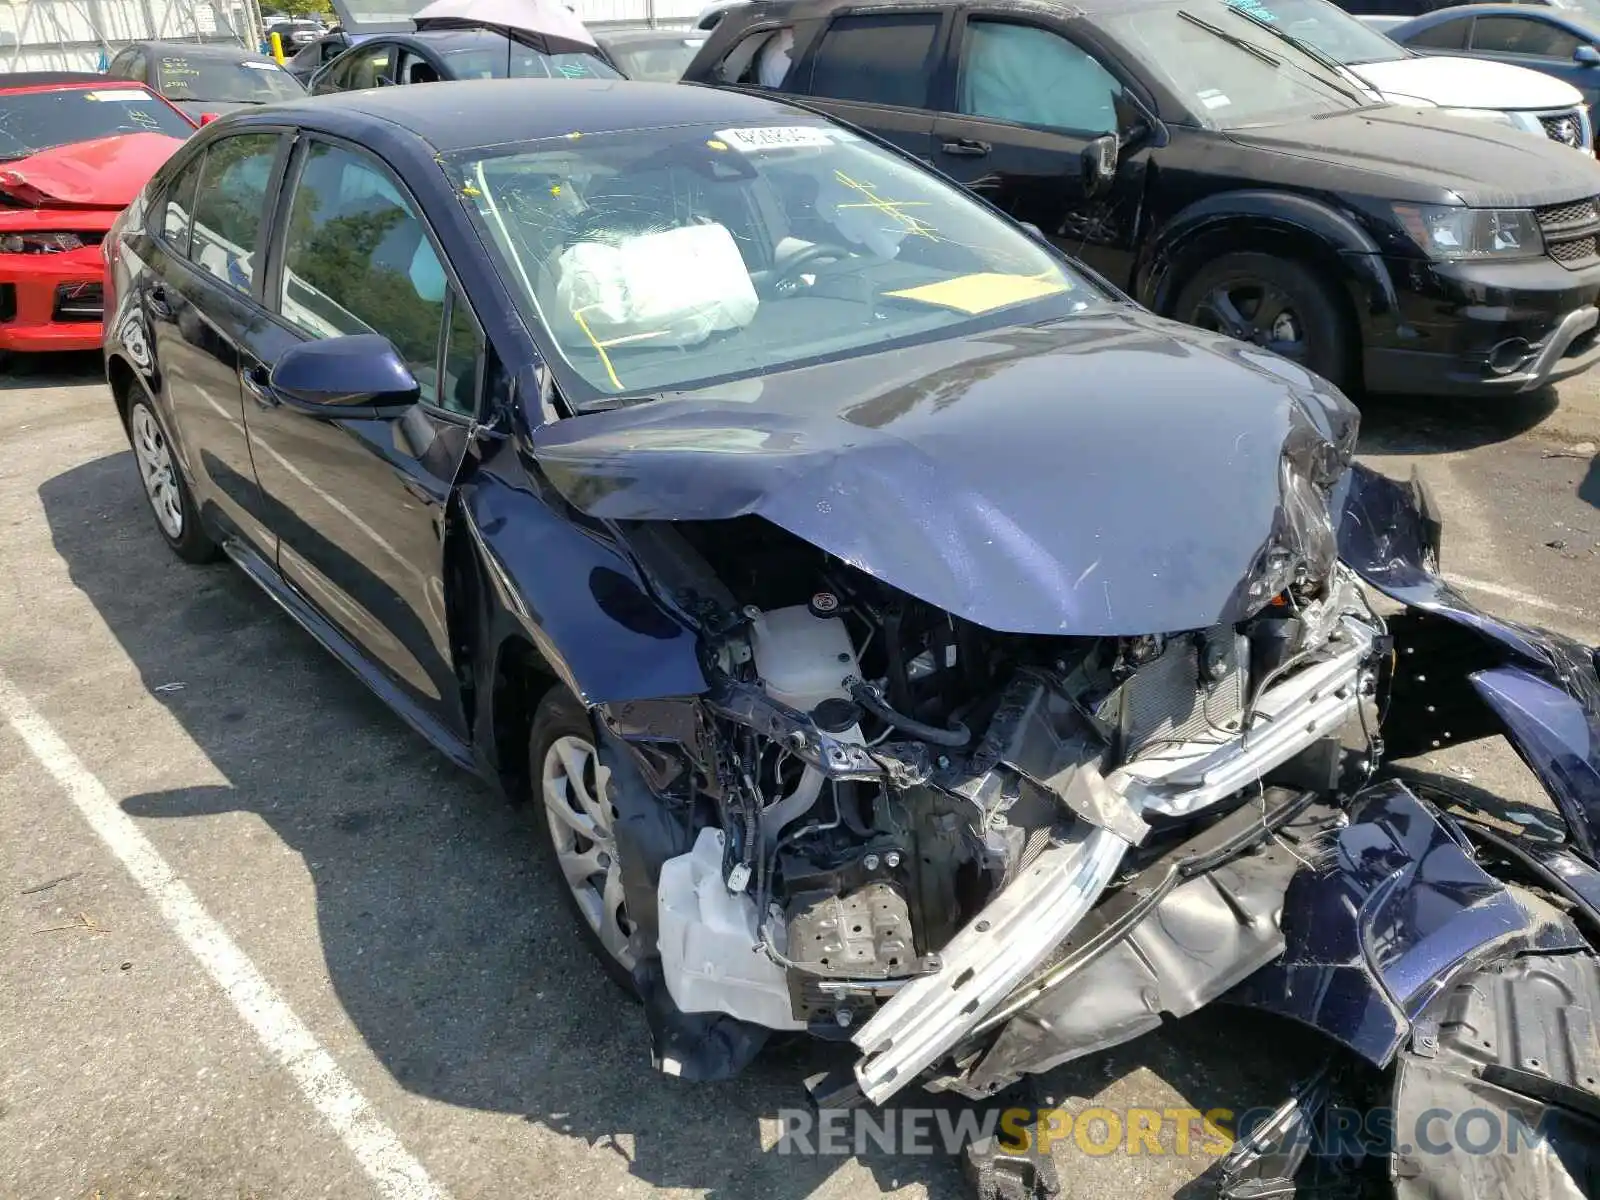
point(1338, 1131)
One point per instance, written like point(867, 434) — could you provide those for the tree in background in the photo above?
point(303, 8)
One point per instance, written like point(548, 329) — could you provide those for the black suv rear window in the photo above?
point(880, 59)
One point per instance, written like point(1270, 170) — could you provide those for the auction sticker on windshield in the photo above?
point(774, 137)
point(124, 95)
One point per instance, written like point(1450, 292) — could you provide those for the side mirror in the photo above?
point(343, 376)
point(1099, 164)
point(207, 118)
point(1586, 56)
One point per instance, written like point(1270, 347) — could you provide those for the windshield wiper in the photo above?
point(1250, 48)
point(1311, 51)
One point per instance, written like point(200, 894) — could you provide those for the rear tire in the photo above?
point(1280, 304)
point(171, 503)
point(576, 827)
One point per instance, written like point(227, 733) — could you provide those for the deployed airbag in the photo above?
point(674, 288)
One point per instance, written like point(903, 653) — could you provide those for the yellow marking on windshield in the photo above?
point(890, 208)
point(983, 292)
point(605, 359)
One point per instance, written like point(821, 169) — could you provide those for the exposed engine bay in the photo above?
point(977, 751)
point(900, 815)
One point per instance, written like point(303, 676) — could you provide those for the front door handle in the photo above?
point(258, 382)
point(967, 148)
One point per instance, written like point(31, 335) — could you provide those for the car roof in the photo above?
point(225, 50)
point(628, 34)
point(1570, 18)
point(31, 79)
point(484, 112)
point(739, 14)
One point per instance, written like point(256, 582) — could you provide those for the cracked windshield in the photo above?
point(35, 121)
point(665, 259)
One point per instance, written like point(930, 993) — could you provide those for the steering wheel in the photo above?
point(787, 268)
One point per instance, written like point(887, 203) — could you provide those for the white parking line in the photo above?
point(1516, 594)
point(387, 1162)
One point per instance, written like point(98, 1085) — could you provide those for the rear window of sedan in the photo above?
point(35, 121)
point(210, 79)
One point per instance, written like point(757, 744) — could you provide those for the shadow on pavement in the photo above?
point(51, 370)
point(1443, 425)
point(446, 940)
point(1589, 489)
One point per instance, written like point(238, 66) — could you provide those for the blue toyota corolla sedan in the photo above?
point(903, 637)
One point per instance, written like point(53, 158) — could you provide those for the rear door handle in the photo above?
point(967, 148)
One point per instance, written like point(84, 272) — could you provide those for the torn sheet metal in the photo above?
point(976, 474)
point(593, 620)
point(1547, 692)
point(1380, 915)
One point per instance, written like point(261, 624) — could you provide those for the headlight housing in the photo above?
point(39, 243)
point(1493, 115)
point(1451, 233)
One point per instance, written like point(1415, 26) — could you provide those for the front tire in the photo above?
point(1277, 303)
point(576, 826)
point(171, 503)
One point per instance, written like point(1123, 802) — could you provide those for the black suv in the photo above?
point(1221, 172)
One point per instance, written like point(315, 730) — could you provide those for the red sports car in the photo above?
point(74, 150)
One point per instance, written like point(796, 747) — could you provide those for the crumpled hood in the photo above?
point(104, 173)
point(1468, 83)
point(1113, 473)
point(1424, 155)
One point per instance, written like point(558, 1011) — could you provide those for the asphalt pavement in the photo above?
point(260, 941)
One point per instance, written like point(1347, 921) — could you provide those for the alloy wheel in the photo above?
point(157, 470)
point(581, 829)
point(1257, 312)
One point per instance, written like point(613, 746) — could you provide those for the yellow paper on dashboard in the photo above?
point(983, 292)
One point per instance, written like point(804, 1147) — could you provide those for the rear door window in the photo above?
point(761, 59)
point(884, 58)
point(1446, 35)
point(231, 206)
point(1523, 35)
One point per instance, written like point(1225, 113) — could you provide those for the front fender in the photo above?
point(1284, 212)
point(575, 597)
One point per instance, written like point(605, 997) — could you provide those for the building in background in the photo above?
point(82, 35)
